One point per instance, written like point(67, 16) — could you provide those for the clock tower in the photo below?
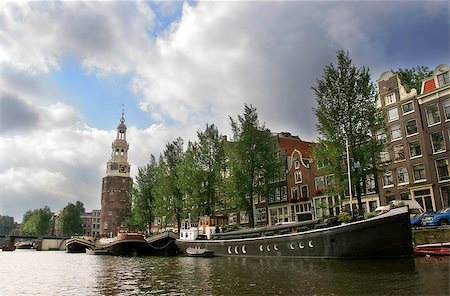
point(116, 185)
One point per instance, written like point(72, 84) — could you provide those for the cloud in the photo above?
point(16, 114)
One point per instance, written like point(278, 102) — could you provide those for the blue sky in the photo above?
point(67, 68)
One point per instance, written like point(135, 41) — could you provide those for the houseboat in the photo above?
point(385, 236)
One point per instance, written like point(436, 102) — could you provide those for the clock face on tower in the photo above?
point(123, 168)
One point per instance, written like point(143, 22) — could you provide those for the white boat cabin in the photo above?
point(205, 228)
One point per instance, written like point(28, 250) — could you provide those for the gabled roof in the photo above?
point(291, 143)
point(429, 85)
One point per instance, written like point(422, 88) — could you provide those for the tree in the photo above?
point(169, 198)
point(80, 206)
point(70, 220)
point(37, 222)
point(412, 78)
point(143, 196)
point(346, 110)
point(253, 159)
point(200, 172)
point(7, 225)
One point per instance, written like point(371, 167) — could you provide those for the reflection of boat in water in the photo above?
point(438, 249)
point(387, 235)
point(197, 252)
point(79, 244)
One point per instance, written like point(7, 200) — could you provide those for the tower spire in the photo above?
point(123, 113)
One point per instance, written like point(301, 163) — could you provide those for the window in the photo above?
point(380, 135)
point(232, 218)
point(437, 142)
point(284, 193)
point(442, 169)
point(304, 191)
point(446, 105)
point(243, 215)
point(405, 195)
point(392, 114)
point(402, 176)
point(277, 193)
point(433, 114)
point(370, 184)
point(419, 172)
point(298, 176)
point(408, 108)
point(387, 178)
point(261, 215)
point(399, 153)
point(396, 132)
point(297, 164)
point(443, 79)
point(389, 99)
point(414, 149)
point(319, 184)
point(294, 193)
point(329, 181)
point(411, 127)
point(385, 156)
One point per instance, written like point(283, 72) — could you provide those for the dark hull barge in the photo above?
point(386, 236)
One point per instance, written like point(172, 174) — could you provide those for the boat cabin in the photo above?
point(205, 228)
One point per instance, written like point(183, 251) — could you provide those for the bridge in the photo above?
point(48, 242)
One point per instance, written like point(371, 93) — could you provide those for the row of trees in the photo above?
point(40, 222)
point(191, 181)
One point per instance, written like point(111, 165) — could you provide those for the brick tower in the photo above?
point(116, 185)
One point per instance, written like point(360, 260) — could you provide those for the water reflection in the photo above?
point(59, 273)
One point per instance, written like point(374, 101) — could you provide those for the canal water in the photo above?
point(60, 273)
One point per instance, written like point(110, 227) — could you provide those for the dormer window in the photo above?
point(443, 79)
point(297, 164)
point(389, 99)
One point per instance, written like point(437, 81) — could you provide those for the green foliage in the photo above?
point(169, 198)
point(7, 224)
point(412, 78)
point(346, 109)
point(37, 222)
point(344, 217)
point(70, 220)
point(254, 160)
point(143, 196)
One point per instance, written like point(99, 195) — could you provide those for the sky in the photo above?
point(66, 69)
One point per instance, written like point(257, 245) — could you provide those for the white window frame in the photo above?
point(392, 114)
point(398, 149)
point(388, 174)
point(446, 106)
point(437, 112)
point(294, 189)
point(390, 99)
point(445, 79)
point(298, 176)
point(406, 128)
point(301, 191)
point(422, 170)
point(402, 176)
point(432, 143)
point(408, 103)
point(385, 156)
point(399, 129)
point(409, 148)
point(297, 164)
point(437, 171)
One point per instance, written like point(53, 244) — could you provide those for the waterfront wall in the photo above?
point(52, 244)
point(431, 235)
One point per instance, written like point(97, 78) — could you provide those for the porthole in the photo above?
point(275, 247)
point(301, 245)
point(310, 244)
point(244, 249)
point(236, 250)
point(268, 248)
point(292, 246)
point(261, 248)
point(229, 250)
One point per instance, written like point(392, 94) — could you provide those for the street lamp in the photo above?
point(349, 173)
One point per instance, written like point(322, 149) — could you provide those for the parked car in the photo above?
point(416, 220)
point(442, 217)
point(414, 207)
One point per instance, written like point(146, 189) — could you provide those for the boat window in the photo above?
point(292, 246)
point(244, 249)
point(236, 250)
point(261, 248)
point(275, 247)
point(268, 248)
point(310, 244)
point(301, 245)
point(229, 250)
